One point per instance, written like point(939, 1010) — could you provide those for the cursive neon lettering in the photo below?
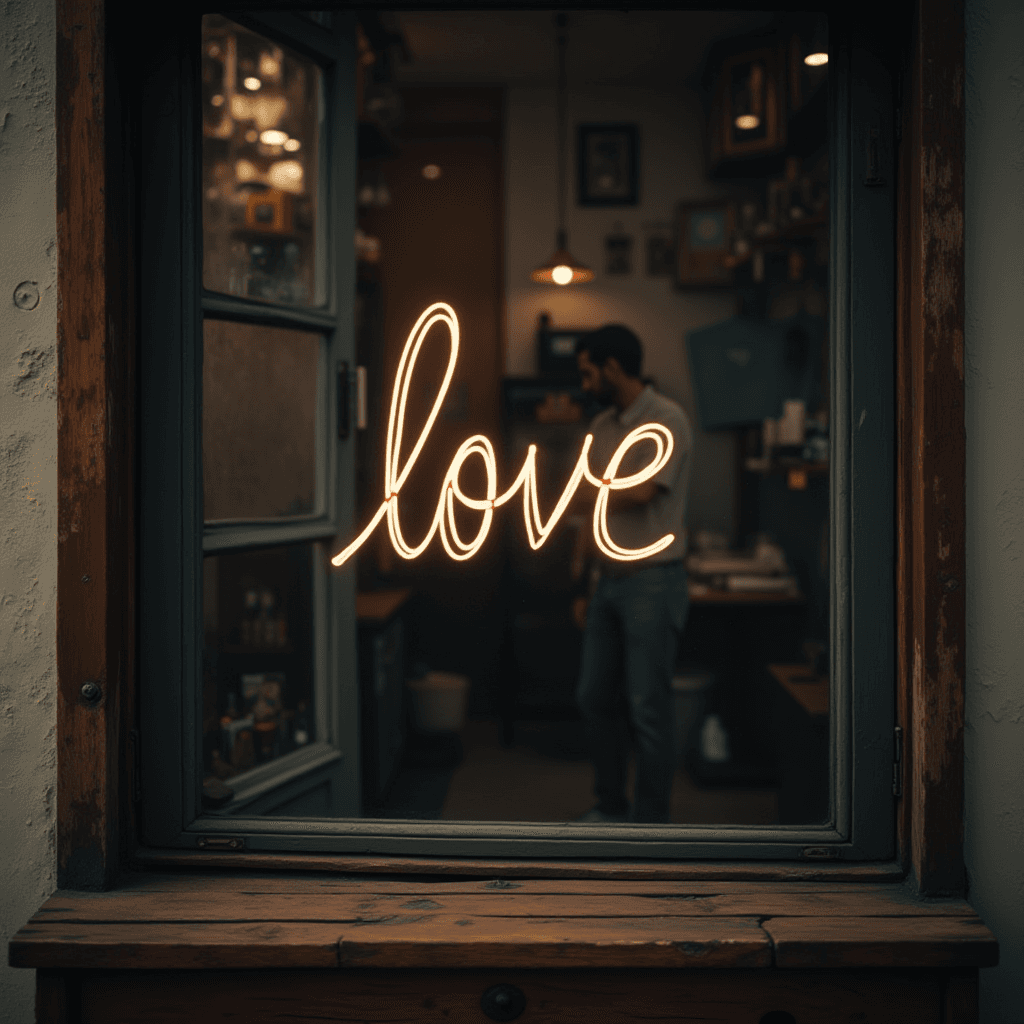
point(537, 529)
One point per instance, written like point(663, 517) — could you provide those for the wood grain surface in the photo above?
point(931, 558)
point(95, 430)
point(552, 997)
point(243, 921)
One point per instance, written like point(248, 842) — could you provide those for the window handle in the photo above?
point(871, 159)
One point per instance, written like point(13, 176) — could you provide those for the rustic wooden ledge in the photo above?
point(245, 921)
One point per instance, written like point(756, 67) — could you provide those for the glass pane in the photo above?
point(558, 681)
point(690, 687)
point(259, 696)
point(262, 121)
point(260, 387)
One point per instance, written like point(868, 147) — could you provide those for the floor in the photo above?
point(546, 776)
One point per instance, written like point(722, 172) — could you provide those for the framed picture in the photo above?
point(660, 250)
point(747, 116)
point(703, 238)
point(608, 165)
point(618, 253)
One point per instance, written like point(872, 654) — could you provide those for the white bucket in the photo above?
point(688, 691)
point(439, 701)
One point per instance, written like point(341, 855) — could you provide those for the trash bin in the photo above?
point(689, 690)
point(439, 701)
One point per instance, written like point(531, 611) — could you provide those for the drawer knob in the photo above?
point(503, 1002)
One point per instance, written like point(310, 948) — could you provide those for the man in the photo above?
point(638, 608)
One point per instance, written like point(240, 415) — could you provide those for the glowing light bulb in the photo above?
point(479, 446)
point(252, 83)
point(286, 175)
point(815, 60)
point(292, 145)
point(273, 137)
point(747, 121)
point(561, 274)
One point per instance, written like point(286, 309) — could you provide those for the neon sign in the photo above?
point(478, 446)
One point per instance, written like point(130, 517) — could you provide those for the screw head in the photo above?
point(26, 295)
point(90, 692)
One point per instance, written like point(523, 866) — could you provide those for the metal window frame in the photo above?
point(862, 545)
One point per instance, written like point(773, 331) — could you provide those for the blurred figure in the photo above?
point(637, 611)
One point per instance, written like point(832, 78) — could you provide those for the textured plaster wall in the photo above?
point(994, 820)
point(28, 481)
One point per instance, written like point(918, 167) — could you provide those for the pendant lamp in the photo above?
point(563, 268)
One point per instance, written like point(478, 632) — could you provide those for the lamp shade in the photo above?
point(563, 268)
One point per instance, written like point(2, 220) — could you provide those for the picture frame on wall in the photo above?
point(747, 117)
point(704, 234)
point(607, 165)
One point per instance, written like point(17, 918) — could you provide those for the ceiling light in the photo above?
point(815, 60)
point(251, 83)
point(273, 137)
point(562, 268)
point(747, 121)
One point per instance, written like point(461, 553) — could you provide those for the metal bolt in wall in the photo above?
point(91, 693)
point(26, 295)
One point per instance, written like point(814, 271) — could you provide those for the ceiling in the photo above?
point(640, 48)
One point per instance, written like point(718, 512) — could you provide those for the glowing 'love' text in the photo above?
point(443, 522)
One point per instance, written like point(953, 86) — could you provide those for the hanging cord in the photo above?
point(560, 23)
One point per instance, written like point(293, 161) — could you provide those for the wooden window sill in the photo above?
point(288, 921)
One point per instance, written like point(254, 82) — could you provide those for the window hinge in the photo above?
point(135, 765)
point(897, 761)
point(220, 843)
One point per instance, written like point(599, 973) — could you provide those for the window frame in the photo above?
point(90, 851)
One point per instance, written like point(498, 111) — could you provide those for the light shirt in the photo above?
point(666, 512)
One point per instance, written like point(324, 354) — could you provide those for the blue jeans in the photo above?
point(629, 650)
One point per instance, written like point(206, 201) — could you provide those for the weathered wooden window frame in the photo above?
point(97, 411)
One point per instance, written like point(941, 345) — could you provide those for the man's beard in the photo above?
point(605, 395)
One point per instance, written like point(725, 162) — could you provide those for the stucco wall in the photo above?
point(994, 819)
point(28, 481)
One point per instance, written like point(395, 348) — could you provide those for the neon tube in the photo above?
point(443, 522)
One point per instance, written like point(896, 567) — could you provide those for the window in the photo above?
point(213, 332)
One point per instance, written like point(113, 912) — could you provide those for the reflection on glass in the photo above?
point(259, 421)
point(469, 672)
point(262, 112)
point(742, 715)
point(258, 688)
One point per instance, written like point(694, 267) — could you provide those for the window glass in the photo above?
point(259, 697)
point(581, 247)
point(260, 445)
point(538, 677)
point(262, 114)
